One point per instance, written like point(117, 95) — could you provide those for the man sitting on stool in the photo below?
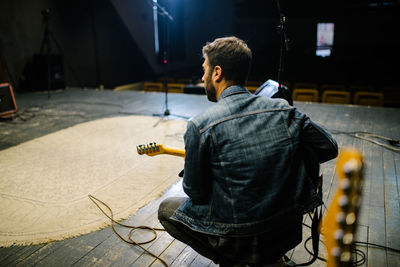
point(244, 169)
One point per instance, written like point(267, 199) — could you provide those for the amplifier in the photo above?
point(8, 106)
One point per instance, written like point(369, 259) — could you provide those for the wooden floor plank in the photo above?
point(201, 261)
point(106, 253)
point(7, 252)
point(185, 258)
point(42, 253)
point(392, 201)
point(363, 214)
point(71, 252)
point(20, 255)
point(157, 248)
point(366, 150)
point(171, 253)
point(393, 259)
point(392, 205)
point(362, 236)
point(376, 256)
point(397, 168)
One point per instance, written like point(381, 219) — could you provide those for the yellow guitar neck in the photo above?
point(174, 151)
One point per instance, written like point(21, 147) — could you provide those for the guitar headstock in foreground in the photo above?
point(339, 224)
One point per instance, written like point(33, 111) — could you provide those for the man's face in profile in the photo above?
point(207, 79)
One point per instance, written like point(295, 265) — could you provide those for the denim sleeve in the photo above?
point(195, 180)
point(318, 140)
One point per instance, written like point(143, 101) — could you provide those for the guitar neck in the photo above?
point(174, 151)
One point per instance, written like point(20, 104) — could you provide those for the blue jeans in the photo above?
point(266, 248)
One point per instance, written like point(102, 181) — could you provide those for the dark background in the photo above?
point(111, 42)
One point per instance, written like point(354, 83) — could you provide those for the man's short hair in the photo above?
point(232, 55)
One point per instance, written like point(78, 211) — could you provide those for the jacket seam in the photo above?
point(225, 174)
point(231, 117)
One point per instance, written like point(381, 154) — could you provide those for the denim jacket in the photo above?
point(244, 165)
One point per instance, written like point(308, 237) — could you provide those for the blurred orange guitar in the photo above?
point(339, 224)
point(152, 149)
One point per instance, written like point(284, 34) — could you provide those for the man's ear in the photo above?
point(217, 74)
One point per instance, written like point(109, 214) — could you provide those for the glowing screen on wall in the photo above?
point(325, 32)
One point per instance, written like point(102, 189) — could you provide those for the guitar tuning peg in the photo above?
point(335, 251)
point(340, 217)
point(348, 238)
point(351, 167)
point(350, 218)
point(338, 234)
point(345, 256)
point(343, 201)
point(345, 184)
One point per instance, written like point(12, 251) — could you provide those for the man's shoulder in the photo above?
point(221, 109)
point(273, 102)
point(210, 115)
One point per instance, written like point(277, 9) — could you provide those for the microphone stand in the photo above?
point(165, 58)
point(284, 43)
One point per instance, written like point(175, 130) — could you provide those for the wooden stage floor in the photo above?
point(379, 218)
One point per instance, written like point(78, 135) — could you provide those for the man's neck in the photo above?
point(221, 86)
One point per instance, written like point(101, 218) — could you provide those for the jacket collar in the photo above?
point(233, 90)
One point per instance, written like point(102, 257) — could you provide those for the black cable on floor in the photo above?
point(379, 140)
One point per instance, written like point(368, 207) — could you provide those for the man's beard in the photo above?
point(210, 89)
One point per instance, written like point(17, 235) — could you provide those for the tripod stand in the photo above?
point(46, 50)
point(46, 47)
